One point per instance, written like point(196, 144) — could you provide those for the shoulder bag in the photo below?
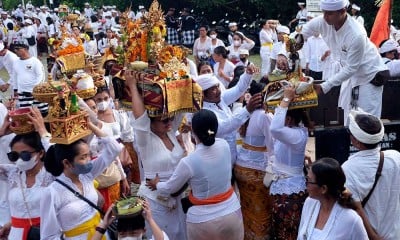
point(34, 231)
point(112, 228)
point(31, 41)
point(377, 175)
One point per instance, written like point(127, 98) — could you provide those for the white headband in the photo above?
point(333, 5)
point(361, 135)
point(388, 46)
point(207, 81)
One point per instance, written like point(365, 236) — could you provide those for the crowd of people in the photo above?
point(231, 170)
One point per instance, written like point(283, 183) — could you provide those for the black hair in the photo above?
point(239, 35)
point(101, 35)
point(131, 224)
point(10, 26)
point(221, 50)
point(57, 153)
point(205, 126)
point(300, 115)
point(90, 34)
point(49, 20)
point(93, 18)
point(370, 125)
point(201, 64)
point(204, 26)
point(237, 72)
point(32, 139)
point(103, 89)
point(328, 172)
point(255, 88)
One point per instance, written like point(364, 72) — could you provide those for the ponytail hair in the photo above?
point(53, 162)
point(328, 172)
point(205, 126)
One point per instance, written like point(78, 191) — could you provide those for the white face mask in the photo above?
point(26, 165)
point(103, 105)
point(131, 238)
point(236, 43)
point(213, 36)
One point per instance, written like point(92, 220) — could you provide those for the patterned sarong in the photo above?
point(286, 214)
point(256, 203)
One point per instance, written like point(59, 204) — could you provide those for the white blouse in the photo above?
point(229, 68)
point(155, 157)
point(257, 134)
point(342, 224)
point(61, 210)
point(228, 122)
point(208, 170)
point(14, 182)
point(289, 147)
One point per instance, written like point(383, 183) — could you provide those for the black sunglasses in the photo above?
point(13, 156)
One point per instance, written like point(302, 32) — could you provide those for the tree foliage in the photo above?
point(283, 10)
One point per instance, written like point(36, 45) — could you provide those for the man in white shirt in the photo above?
point(5, 19)
point(355, 13)
point(141, 12)
point(277, 47)
point(390, 55)
point(218, 102)
point(29, 72)
point(28, 33)
point(7, 61)
point(315, 50)
point(301, 16)
point(380, 212)
point(88, 10)
point(362, 66)
point(43, 15)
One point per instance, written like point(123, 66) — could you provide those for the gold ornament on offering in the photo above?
point(46, 91)
point(161, 70)
point(307, 97)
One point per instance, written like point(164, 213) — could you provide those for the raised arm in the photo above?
point(137, 102)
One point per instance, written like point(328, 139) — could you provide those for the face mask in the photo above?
point(102, 106)
point(82, 168)
point(26, 165)
point(213, 36)
point(243, 60)
point(131, 238)
point(236, 43)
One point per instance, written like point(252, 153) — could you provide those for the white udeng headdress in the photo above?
point(333, 5)
point(207, 81)
point(360, 134)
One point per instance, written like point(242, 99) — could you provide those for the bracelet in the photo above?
point(100, 230)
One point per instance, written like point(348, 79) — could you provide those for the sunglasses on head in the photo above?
point(13, 156)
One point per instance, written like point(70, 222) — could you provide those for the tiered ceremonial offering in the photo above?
point(67, 122)
point(307, 97)
point(161, 70)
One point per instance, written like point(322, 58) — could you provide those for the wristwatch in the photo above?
point(285, 99)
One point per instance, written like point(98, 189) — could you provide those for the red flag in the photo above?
point(381, 28)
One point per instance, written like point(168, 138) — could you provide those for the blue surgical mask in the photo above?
point(82, 168)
